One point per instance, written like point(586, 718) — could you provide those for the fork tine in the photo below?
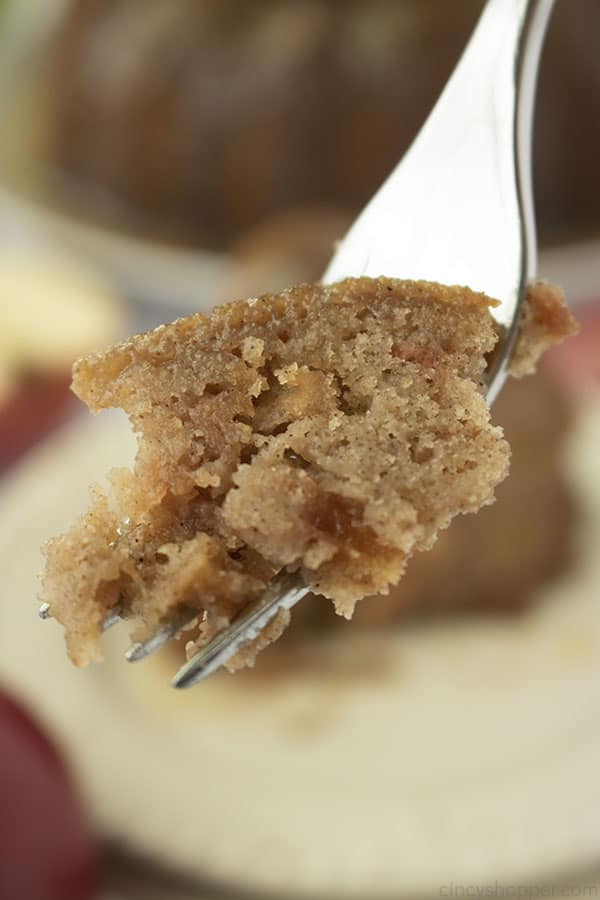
point(283, 593)
point(141, 649)
point(113, 617)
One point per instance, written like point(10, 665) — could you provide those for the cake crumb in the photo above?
point(545, 321)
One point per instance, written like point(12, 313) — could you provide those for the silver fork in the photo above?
point(458, 209)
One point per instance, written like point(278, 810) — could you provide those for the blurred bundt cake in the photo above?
point(200, 118)
point(196, 119)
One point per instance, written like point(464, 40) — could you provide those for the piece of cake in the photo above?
point(545, 320)
point(329, 430)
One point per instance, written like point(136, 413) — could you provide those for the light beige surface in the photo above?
point(52, 311)
point(459, 752)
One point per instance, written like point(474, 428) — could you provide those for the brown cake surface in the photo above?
point(293, 247)
point(197, 119)
point(194, 119)
point(330, 430)
point(545, 321)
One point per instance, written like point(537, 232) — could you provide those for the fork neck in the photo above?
point(531, 19)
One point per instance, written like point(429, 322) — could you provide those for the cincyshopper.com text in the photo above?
point(456, 891)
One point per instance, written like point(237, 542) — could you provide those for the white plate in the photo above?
point(469, 754)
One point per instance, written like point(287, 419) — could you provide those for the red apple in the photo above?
point(47, 851)
point(577, 361)
point(29, 412)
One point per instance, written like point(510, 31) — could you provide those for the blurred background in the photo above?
point(158, 157)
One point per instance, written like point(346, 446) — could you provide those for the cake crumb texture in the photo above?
point(545, 321)
point(330, 430)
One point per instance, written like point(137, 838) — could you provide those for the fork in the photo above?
point(458, 209)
